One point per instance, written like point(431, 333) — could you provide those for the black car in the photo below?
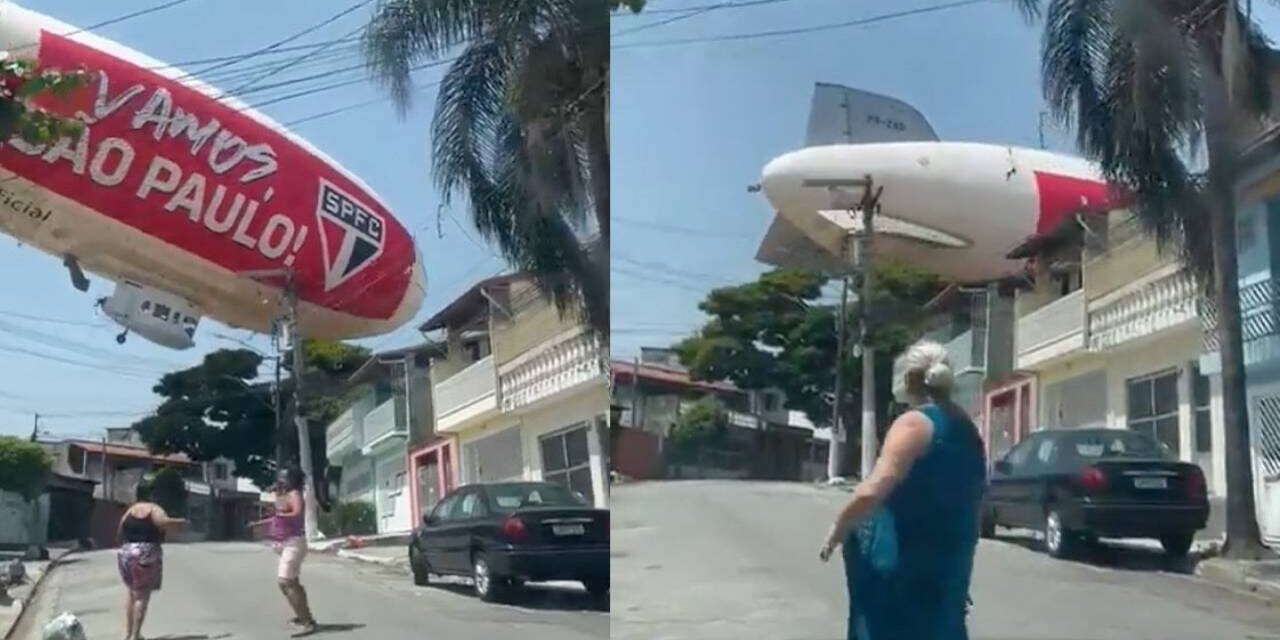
point(1078, 485)
point(507, 533)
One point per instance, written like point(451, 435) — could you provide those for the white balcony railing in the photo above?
point(743, 420)
point(340, 436)
point(471, 386)
point(383, 422)
point(1053, 330)
point(1166, 302)
point(551, 368)
point(960, 351)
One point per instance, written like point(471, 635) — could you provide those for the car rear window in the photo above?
point(509, 497)
point(1121, 444)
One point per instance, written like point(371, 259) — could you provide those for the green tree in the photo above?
point(1148, 85)
point(24, 467)
point(21, 86)
point(520, 128)
point(170, 491)
point(215, 409)
point(774, 333)
point(635, 6)
point(699, 426)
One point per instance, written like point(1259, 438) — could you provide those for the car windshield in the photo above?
point(509, 497)
point(1121, 444)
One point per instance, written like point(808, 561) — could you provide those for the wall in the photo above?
point(535, 321)
point(584, 406)
point(637, 454)
point(1123, 263)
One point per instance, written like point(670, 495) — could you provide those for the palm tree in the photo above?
point(1148, 84)
point(520, 127)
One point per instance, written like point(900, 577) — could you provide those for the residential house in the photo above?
point(522, 388)
point(218, 503)
point(367, 445)
point(1107, 334)
point(766, 440)
point(1258, 258)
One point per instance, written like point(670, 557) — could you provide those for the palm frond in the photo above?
point(403, 33)
point(470, 103)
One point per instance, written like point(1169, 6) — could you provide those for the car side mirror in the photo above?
point(428, 520)
point(1003, 466)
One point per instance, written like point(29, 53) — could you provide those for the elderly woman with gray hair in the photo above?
point(911, 527)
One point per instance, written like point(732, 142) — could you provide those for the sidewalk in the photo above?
point(387, 556)
point(1262, 577)
point(11, 607)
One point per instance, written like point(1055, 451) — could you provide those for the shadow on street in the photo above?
point(1110, 554)
point(533, 596)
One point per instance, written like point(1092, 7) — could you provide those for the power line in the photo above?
point(801, 30)
point(130, 16)
point(682, 230)
point(717, 6)
point(263, 50)
point(288, 63)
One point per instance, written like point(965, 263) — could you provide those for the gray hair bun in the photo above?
point(930, 359)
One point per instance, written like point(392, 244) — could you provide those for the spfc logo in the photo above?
point(350, 233)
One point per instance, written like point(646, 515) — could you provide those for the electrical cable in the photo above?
point(829, 26)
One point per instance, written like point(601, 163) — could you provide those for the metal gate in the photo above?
point(1264, 427)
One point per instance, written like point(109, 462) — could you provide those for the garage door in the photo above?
point(494, 458)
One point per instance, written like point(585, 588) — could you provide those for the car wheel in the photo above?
point(489, 588)
point(597, 586)
point(1177, 544)
point(988, 525)
point(418, 565)
point(1057, 540)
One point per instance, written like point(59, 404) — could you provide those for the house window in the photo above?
point(75, 459)
point(1153, 407)
point(219, 471)
point(771, 402)
point(1200, 399)
point(566, 460)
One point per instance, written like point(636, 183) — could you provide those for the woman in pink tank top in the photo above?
point(287, 533)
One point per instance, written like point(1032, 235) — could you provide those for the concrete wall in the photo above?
point(584, 406)
point(535, 321)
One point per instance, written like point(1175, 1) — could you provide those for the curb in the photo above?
point(35, 591)
point(1236, 577)
point(368, 559)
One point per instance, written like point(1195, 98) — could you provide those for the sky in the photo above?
point(693, 123)
point(62, 360)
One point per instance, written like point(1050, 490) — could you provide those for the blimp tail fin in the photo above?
point(844, 115)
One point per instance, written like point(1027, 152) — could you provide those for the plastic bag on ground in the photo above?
point(64, 627)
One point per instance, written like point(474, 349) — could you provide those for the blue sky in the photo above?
point(693, 124)
point(72, 371)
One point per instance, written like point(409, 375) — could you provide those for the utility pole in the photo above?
point(869, 205)
point(1041, 128)
point(299, 419)
point(835, 451)
point(276, 404)
point(294, 338)
point(35, 428)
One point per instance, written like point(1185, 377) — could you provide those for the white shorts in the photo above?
point(291, 552)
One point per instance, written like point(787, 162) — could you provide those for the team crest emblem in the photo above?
point(351, 234)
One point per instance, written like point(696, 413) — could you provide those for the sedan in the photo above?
point(1079, 485)
point(506, 533)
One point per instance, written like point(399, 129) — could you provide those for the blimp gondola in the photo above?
point(194, 204)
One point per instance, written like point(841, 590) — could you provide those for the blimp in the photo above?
point(956, 209)
point(194, 204)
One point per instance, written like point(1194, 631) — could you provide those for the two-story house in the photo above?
point(522, 388)
point(765, 439)
point(367, 445)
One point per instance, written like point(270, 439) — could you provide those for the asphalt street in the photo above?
point(722, 559)
point(228, 590)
